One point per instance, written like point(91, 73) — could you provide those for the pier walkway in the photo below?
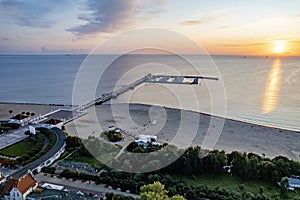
point(149, 78)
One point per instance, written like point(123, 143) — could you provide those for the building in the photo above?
point(19, 119)
point(53, 123)
point(51, 186)
point(2, 178)
point(144, 140)
point(18, 189)
point(294, 183)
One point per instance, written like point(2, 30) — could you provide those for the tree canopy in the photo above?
point(156, 191)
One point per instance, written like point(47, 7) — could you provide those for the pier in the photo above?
point(190, 80)
point(149, 78)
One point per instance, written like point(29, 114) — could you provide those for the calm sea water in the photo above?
point(257, 89)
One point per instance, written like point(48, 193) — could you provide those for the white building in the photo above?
point(2, 178)
point(19, 119)
point(144, 140)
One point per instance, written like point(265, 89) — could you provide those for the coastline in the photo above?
point(17, 108)
point(236, 135)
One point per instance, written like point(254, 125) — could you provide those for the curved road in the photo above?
point(61, 138)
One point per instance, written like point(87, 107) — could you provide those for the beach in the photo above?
point(17, 108)
point(179, 127)
point(138, 119)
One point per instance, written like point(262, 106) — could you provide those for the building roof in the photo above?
point(19, 117)
point(23, 184)
point(294, 182)
point(53, 121)
point(52, 186)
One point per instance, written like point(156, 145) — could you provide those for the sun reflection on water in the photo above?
point(270, 99)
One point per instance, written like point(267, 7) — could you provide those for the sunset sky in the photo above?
point(256, 27)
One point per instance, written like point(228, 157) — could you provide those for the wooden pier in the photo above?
point(162, 79)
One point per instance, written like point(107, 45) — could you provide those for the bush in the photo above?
point(113, 136)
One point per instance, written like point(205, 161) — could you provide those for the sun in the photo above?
point(279, 46)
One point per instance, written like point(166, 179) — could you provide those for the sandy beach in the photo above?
point(17, 108)
point(179, 127)
point(186, 128)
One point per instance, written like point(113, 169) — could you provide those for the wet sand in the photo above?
point(186, 128)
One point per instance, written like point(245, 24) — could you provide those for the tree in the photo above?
point(27, 113)
point(32, 114)
point(10, 111)
point(156, 191)
point(109, 195)
point(284, 184)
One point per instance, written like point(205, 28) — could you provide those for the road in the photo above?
point(61, 138)
point(79, 185)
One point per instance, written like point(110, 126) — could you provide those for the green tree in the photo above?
point(109, 195)
point(284, 186)
point(156, 191)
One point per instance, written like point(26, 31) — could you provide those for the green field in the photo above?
point(232, 183)
point(18, 149)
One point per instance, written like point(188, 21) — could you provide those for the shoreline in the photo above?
point(17, 108)
point(236, 135)
point(250, 122)
point(192, 111)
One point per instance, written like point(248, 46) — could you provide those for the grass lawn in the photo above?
point(18, 149)
point(230, 183)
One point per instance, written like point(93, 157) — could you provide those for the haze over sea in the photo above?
point(258, 89)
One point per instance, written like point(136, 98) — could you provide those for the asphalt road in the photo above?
point(78, 185)
point(61, 138)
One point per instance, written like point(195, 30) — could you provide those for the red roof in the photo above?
point(53, 121)
point(19, 117)
point(23, 184)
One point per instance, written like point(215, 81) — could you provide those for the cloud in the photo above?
point(105, 16)
point(245, 44)
point(5, 39)
point(32, 13)
point(196, 22)
point(224, 27)
point(63, 51)
point(203, 18)
point(110, 15)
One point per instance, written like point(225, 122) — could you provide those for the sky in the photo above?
point(256, 27)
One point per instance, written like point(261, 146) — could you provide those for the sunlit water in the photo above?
point(258, 89)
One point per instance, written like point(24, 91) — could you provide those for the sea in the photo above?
point(261, 90)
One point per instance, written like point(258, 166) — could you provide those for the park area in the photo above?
point(19, 149)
